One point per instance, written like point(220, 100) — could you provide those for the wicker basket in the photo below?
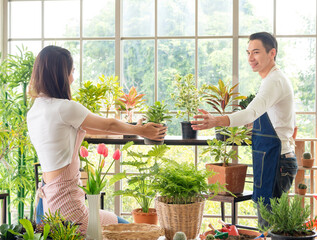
point(136, 231)
point(186, 218)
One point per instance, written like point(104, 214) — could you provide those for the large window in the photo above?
point(146, 42)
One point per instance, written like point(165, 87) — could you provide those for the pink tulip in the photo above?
point(83, 152)
point(102, 149)
point(116, 155)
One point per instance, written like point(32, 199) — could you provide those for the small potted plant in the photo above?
point(307, 160)
point(302, 189)
point(183, 190)
point(140, 185)
point(232, 175)
point(187, 98)
point(157, 113)
point(220, 98)
point(286, 218)
point(130, 103)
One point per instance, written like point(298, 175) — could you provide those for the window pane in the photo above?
point(249, 81)
point(176, 17)
point(255, 16)
point(61, 18)
point(214, 61)
point(73, 47)
point(25, 19)
point(138, 18)
point(174, 56)
point(33, 46)
point(215, 17)
point(297, 58)
point(306, 126)
point(296, 17)
point(98, 59)
point(98, 18)
point(138, 67)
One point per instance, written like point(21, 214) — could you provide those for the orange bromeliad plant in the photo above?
point(130, 102)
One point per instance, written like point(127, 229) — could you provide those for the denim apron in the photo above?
point(266, 151)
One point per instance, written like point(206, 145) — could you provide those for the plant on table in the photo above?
point(130, 103)
point(29, 231)
point(243, 103)
point(140, 185)
point(6, 231)
point(287, 216)
point(187, 99)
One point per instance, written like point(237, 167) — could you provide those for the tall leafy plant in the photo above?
point(17, 177)
point(187, 96)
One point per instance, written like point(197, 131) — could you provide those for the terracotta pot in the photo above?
point(301, 191)
point(308, 162)
point(140, 217)
point(232, 175)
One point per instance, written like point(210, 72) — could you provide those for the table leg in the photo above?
point(233, 213)
point(223, 214)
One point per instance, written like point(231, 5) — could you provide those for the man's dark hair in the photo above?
point(267, 39)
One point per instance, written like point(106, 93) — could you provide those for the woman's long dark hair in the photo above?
point(51, 70)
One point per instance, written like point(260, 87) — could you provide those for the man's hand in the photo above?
point(209, 121)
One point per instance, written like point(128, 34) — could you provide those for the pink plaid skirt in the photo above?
point(64, 194)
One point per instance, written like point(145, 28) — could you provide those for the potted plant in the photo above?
point(232, 175)
point(220, 98)
point(130, 103)
point(157, 113)
point(302, 189)
point(286, 218)
point(243, 103)
point(307, 160)
point(183, 190)
point(95, 184)
point(187, 98)
point(140, 185)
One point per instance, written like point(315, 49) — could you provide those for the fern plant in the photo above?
point(287, 216)
point(140, 185)
point(181, 182)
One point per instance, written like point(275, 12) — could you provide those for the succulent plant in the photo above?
point(210, 237)
point(306, 155)
point(179, 236)
point(302, 186)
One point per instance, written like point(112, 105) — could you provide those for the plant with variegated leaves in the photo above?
point(130, 102)
point(222, 96)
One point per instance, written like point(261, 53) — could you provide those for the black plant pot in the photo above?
point(282, 237)
point(220, 136)
point(187, 131)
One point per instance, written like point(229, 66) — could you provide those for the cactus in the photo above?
point(179, 236)
point(302, 186)
point(210, 237)
point(306, 155)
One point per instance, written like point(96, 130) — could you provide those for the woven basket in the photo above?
point(186, 218)
point(135, 231)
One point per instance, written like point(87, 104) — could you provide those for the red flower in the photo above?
point(102, 149)
point(116, 155)
point(83, 152)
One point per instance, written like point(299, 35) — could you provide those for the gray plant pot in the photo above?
point(152, 142)
point(282, 237)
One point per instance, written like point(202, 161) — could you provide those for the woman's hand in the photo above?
point(153, 131)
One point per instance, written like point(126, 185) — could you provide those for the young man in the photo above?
point(272, 111)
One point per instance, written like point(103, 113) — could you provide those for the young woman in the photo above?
point(57, 126)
